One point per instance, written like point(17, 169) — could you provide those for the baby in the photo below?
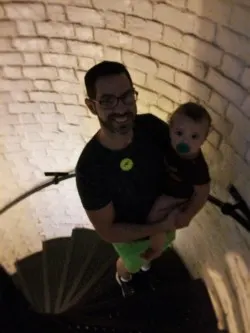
point(186, 167)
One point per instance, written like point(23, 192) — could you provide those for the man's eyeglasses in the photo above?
point(111, 101)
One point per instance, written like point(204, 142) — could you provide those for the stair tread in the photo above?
point(171, 308)
point(30, 273)
point(89, 258)
point(54, 253)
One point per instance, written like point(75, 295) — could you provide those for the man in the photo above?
point(121, 170)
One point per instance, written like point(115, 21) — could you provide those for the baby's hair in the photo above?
point(193, 111)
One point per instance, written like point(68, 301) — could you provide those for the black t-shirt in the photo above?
point(104, 175)
point(182, 174)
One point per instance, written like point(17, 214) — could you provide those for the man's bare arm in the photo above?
point(103, 222)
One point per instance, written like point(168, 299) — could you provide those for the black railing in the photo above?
point(239, 211)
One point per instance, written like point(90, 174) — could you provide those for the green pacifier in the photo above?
point(182, 148)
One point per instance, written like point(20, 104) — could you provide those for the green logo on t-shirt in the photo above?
point(126, 164)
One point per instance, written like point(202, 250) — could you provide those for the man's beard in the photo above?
point(116, 127)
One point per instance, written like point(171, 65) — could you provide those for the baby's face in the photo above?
point(186, 135)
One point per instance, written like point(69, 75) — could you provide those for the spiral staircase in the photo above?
point(69, 287)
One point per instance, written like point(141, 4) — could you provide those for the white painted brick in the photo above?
point(31, 44)
point(163, 88)
point(143, 8)
point(72, 119)
point(231, 67)
point(88, 17)
point(10, 120)
point(42, 85)
point(12, 147)
point(218, 103)
point(12, 72)
point(27, 118)
point(2, 14)
point(57, 45)
point(89, 126)
point(26, 28)
point(29, 128)
point(136, 61)
point(35, 12)
point(5, 97)
point(69, 99)
point(68, 128)
point(10, 85)
point(61, 60)
point(172, 37)
point(7, 29)
point(239, 120)
point(214, 138)
point(239, 20)
point(147, 97)
point(196, 68)
point(158, 112)
point(6, 130)
point(143, 28)
point(238, 142)
point(56, 13)
point(166, 105)
point(86, 49)
point(19, 96)
point(49, 73)
point(202, 50)
point(245, 78)
point(55, 29)
point(113, 38)
point(84, 33)
point(45, 97)
point(124, 6)
point(66, 74)
point(233, 43)
point(225, 87)
point(169, 56)
point(192, 86)
point(85, 63)
point(204, 29)
point(114, 21)
point(5, 44)
point(17, 108)
point(138, 78)
point(221, 124)
point(13, 58)
point(66, 87)
point(50, 118)
point(80, 76)
point(166, 73)
point(111, 53)
point(215, 10)
point(32, 59)
point(141, 46)
point(174, 17)
point(246, 106)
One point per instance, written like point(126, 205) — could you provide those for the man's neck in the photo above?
point(115, 141)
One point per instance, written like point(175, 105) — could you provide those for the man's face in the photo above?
point(187, 136)
point(115, 103)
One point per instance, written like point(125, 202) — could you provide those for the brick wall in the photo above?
point(176, 51)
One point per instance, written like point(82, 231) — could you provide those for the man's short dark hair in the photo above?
point(194, 111)
point(104, 68)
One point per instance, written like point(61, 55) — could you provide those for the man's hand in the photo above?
point(169, 223)
point(162, 206)
point(182, 220)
